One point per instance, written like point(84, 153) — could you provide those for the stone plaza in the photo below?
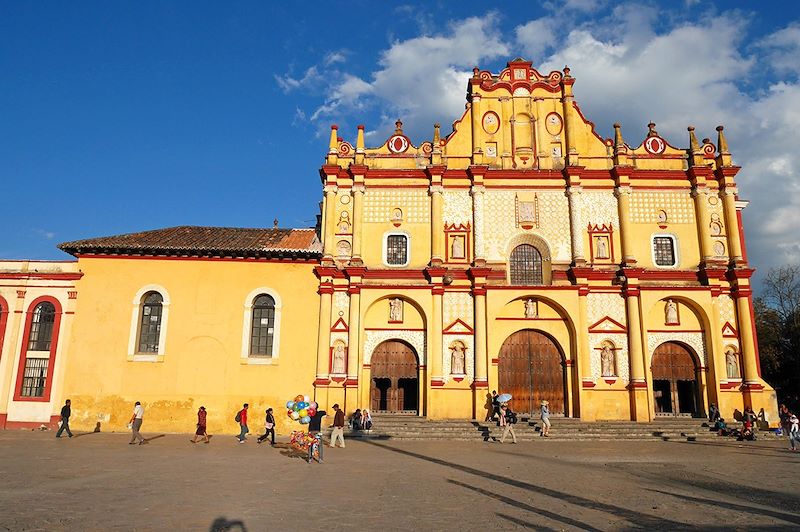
point(96, 481)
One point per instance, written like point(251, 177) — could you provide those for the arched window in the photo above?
point(526, 265)
point(41, 334)
point(150, 322)
point(262, 330)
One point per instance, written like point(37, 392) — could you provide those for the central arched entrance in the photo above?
point(675, 387)
point(394, 382)
point(532, 370)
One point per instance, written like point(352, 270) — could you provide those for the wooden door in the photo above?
point(675, 376)
point(531, 369)
point(391, 361)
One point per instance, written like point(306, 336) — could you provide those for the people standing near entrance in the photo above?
point(507, 421)
point(338, 426)
point(794, 432)
point(201, 426)
point(544, 415)
point(241, 418)
point(66, 411)
point(269, 425)
point(136, 424)
point(494, 407)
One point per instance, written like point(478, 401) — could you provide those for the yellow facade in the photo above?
point(522, 245)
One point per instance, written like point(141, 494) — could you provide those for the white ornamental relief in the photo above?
point(694, 340)
point(380, 205)
point(726, 310)
point(341, 303)
point(651, 207)
point(457, 305)
point(602, 305)
point(415, 339)
point(620, 341)
point(599, 207)
point(457, 207)
point(447, 355)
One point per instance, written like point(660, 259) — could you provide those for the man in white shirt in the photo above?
point(136, 424)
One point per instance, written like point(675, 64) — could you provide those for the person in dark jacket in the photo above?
point(270, 428)
point(338, 426)
point(66, 411)
point(201, 430)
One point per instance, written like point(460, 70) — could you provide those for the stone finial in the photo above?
point(398, 127)
point(437, 137)
point(695, 151)
point(651, 130)
point(360, 139)
point(275, 223)
point(475, 72)
point(618, 135)
point(566, 72)
point(724, 157)
point(620, 149)
point(333, 145)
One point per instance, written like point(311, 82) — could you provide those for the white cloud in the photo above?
point(311, 77)
point(47, 235)
point(335, 57)
point(536, 37)
point(783, 49)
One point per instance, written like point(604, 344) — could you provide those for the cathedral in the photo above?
point(519, 252)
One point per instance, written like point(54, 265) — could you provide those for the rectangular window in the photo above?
point(664, 250)
point(35, 377)
point(263, 331)
point(397, 250)
point(150, 329)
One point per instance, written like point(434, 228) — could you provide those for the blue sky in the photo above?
point(117, 117)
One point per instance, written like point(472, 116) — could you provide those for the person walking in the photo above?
point(794, 432)
point(544, 415)
point(338, 426)
point(136, 424)
point(784, 415)
point(66, 411)
point(269, 424)
point(494, 407)
point(201, 426)
point(241, 418)
point(507, 420)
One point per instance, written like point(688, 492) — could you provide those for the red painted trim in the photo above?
point(36, 286)
point(448, 329)
point(51, 276)
point(387, 329)
point(674, 331)
point(741, 234)
point(395, 274)
point(4, 309)
point(321, 382)
point(437, 383)
point(594, 328)
point(638, 385)
point(528, 319)
point(729, 331)
point(196, 258)
point(340, 326)
point(23, 350)
point(588, 384)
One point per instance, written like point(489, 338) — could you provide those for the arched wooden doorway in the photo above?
point(394, 382)
point(532, 369)
point(675, 380)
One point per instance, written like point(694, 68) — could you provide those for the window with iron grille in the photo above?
point(35, 377)
point(526, 265)
point(41, 333)
point(664, 250)
point(150, 322)
point(397, 250)
point(262, 331)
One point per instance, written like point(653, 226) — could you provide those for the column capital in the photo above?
point(436, 189)
point(476, 190)
point(358, 188)
point(330, 189)
point(622, 190)
point(574, 190)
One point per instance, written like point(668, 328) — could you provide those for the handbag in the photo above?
point(270, 425)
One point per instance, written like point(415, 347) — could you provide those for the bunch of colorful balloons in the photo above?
point(301, 409)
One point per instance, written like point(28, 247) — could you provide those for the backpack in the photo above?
point(238, 417)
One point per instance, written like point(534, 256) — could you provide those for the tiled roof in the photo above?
point(187, 240)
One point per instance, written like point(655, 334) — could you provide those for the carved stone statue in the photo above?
point(530, 309)
point(608, 362)
point(338, 359)
point(602, 248)
point(396, 309)
point(732, 363)
point(457, 359)
point(457, 249)
point(670, 313)
point(527, 211)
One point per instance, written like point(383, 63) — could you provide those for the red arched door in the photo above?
point(674, 380)
point(531, 369)
point(394, 382)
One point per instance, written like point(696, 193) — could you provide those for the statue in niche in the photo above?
point(671, 313)
point(396, 309)
point(457, 358)
point(662, 217)
point(608, 363)
point(602, 247)
point(344, 222)
point(732, 363)
point(338, 366)
point(343, 248)
point(530, 309)
point(716, 229)
point(397, 215)
point(527, 211)
point(457, 248)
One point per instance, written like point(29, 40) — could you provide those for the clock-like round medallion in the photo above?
point(491, 122)
point(553, 123)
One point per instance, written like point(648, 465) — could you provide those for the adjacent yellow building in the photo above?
point(521, 252)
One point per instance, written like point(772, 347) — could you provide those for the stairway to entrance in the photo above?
point(406, 427)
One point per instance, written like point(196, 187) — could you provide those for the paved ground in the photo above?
point(98, 482)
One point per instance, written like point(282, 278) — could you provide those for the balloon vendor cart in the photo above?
point(301, 409)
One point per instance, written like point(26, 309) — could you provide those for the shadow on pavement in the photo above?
point(790, 518)
point(635, 518)
point(222, 524)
